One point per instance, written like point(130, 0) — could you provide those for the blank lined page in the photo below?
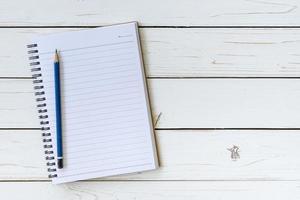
point(107, 128)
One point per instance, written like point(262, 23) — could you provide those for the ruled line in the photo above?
point(94, 69)
point(108, 169)
point(68, 157)
point(66, 55)
point(97, 135)
point(106, 147)
point(107, 158)
point(88, 47)
point(103, 130)
point(115, 117)
point(121, 162)
point(67, 62)
point(106, 124)
point(115, 78)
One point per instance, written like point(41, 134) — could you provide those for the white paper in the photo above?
point(107, 127)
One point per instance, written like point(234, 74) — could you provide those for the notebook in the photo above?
point(107, 125)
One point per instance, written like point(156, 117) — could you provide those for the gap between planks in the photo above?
point(97, 180)
point(165, 26)
point(165, 180)
point(181, 77)
point(178, 129)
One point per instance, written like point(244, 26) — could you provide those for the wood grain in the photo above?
point(151, 13)
point(193, 52)
point(196, 164)
point(226, 103)
point(152, 190)
point(186, 103)
point(17, 105)
point(184, 155)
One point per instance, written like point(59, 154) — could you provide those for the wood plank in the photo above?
point(14, 58)
point(226, 103)
point(192, 52)
point(192, 13)
point(152, 190)
point(17, 104)
point(186, 103)
point(184, 155)
point(221, 52)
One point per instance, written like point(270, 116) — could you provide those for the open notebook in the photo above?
point(107, 125)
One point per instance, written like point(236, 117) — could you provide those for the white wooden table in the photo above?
point(223, 76)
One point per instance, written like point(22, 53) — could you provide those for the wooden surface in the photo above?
point(151, 13)
point(198, 155)
point(223, 77)
point(148, 190)
point(187, 103)
point(188, 52)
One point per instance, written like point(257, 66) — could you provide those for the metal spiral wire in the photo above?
point(42, 109)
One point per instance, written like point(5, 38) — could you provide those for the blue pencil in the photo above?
point(59, 143)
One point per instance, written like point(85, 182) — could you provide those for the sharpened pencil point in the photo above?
point(56, 56)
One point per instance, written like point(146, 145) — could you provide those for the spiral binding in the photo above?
point(42, 110)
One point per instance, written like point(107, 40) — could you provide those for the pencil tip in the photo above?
point(56, 55)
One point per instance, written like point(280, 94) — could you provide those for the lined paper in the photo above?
point(107, 128)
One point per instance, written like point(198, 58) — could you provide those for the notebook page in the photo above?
point(107, 126)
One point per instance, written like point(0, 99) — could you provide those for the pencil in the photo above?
point(57, 87)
